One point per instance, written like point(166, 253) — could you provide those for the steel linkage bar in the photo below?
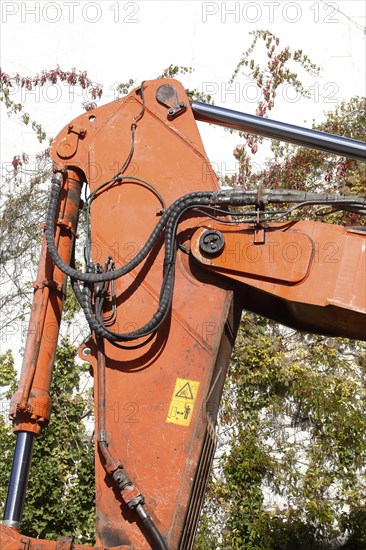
point(314, 139)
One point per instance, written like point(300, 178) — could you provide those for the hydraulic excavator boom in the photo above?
point(171, 262)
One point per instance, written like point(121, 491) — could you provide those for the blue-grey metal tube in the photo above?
point(330, 143)
point(18, 480)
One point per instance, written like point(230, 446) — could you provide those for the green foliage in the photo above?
point(293, 420)
point(7, 444)
point(71, 305)
point(15, 108)
point(23, 203)
point(207, 538)
point(61, 493)
point(271, 75)
point(301, 168)
point(7, 441)
point(175, 70)
point(295, 408)
point(270, 66)
point(7, 371)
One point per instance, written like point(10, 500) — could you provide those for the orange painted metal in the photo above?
point(31, 404)
point(10, 539)
point(160, 457)
point(283, 256)
point(308, 275)
point(167, 451)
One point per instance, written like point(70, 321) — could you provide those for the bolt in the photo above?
point(171, 111)
point(86, 351)
point(212, 242)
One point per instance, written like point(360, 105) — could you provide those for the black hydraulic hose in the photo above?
point(85, 297)
point(169, 222)
point(155, 539)
point(165, 299)
point(292, 195)
point(236, 197)
point(91, 277)
point(232, 197)
point(177, 209)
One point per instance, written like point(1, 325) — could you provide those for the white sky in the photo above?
point(118, 40)
point(115, 41)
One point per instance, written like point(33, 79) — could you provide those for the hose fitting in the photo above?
point(129, 492)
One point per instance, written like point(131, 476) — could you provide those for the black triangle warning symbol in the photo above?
point(185, 392)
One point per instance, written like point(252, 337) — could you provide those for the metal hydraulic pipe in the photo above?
point(31, 404)
point(18, 480)
point(305, 137)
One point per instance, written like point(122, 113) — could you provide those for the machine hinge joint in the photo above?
point(48, 282)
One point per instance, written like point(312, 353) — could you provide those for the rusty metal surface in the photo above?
point(64, 543)
point(282, 256)
point(157, 398)
point(159, 456)
point(11, 539)
point(31, 405)
point(309, 275)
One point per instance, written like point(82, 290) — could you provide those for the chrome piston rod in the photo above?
point(305, 137)
point(18, 480)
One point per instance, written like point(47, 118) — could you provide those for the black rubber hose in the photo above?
point(166, 294)
point(85, 297)
point(169, 221)
point(209, 198)
point(92, 277)
point(154, 537)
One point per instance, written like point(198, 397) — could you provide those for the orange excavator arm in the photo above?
point(170, 264)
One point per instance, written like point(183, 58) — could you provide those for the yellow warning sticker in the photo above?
point(182, 403)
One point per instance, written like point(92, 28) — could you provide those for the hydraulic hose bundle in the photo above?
point(168, 223)
point(91, 286)
point(84, 142)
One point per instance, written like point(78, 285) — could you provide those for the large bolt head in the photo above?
point(212, 242)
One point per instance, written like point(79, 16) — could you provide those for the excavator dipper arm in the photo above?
point(170, 263)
